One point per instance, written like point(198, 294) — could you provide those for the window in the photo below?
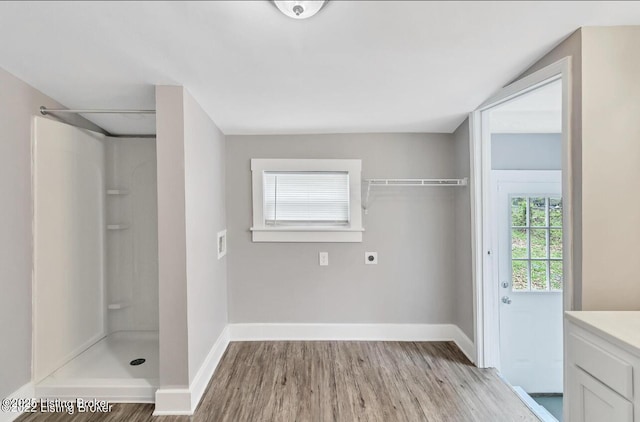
point(536, 244)
point(306, 198)
point(298, 200)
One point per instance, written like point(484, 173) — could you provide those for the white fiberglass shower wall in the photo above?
point(132, 235)
point(95, 290)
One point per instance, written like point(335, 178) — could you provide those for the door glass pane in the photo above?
point(518, 212)
point(519, 243)
point(555, 243)
point(536, 239)
point(538, 243)
point(538, 275)
point(537, 212)
point(519, 275)
point(556, 275)
point(555, 212)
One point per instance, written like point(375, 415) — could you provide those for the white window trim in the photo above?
point(350, 233)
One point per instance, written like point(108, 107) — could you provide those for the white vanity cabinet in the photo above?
point(602, 363)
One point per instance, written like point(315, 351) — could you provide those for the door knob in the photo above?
point(505, 284)
point(505, 299)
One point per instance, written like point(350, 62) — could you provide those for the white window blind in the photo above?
point(306, 198)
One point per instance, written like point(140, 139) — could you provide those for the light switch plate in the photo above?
point(222, 243)
point(323, 259)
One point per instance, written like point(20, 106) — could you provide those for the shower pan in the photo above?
point(95, 284)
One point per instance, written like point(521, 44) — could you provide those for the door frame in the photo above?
point(485, 293)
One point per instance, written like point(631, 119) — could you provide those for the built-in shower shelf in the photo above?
point(117, 191)
point(117, 226)
point(117, 305)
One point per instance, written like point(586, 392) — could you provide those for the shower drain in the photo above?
point(137, 362)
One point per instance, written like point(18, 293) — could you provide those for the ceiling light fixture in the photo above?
point(300, 9)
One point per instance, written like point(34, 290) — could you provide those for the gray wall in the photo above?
point(412, 229)
point(19, 102)
point(204, 147)
point(463, 284)
point(526, 151)
point(610, 167)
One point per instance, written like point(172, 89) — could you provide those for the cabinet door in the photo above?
point(592, 401)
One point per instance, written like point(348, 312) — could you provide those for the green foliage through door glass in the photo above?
point(519, 244)
point(555, 212)
point(518, 212)
point(538, 275)
point(537, 212)
point(536, 243)
point(520, 269)
point(556, 275)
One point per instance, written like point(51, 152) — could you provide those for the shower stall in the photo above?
point(95, 281)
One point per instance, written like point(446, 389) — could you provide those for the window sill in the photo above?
point(307, 234)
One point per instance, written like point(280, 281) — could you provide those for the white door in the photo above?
point(529, 236)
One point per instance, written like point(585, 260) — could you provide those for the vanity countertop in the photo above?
point(620, 327)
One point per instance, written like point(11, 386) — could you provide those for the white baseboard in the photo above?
point(465, 344)
point(354, 332)
point(542, 413)
point(204, 374)
point(27, 391)
point(184, 401)
point(173, 401)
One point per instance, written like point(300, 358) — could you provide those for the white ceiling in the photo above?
point(538, 111)
point(357, 66)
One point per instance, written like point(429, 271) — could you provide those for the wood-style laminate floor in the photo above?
point(340, 381)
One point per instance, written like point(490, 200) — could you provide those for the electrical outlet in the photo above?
point(371, 258)
point(323, 259)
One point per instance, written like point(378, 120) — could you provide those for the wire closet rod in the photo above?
point(417, 182)
point(44, 111)
point(408, 182)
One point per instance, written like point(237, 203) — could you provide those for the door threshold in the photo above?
point(542, 413)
